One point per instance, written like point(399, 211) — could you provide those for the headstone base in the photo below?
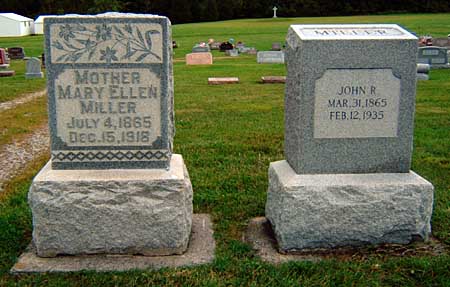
point(115, 211)
point(4, 73)
point(200, 251)
point(309, 211)
point(34, 75)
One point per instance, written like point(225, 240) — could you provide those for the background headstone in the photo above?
point(270, 57)
point(226, 46)
point(115, 185)
point(201, 48)
point(441, 42)
point(434, 56)
point(349, 116)
point(215, 45)
point(3, 62)
point(33, 69)
point(223, 80)
point(199, 59)
point(276, 46)
point(232, 52)
point(16, 53)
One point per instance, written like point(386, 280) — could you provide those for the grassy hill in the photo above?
point(228, 135)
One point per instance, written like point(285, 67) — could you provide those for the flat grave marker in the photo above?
point(199, 59)
point(270, 57)
point(222, 80)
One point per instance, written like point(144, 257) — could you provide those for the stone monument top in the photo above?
point(351, 32)
point(110, 91)
point(351, 108)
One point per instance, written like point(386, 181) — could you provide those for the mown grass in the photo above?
point(17, 85)
point(228, 135)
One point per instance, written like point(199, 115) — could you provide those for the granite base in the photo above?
point(121, 211)
point(333, 210)
point(200, 251)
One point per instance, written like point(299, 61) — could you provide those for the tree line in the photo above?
point(185, 11)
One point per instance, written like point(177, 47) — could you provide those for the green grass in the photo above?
point(228, 135)
point(15, 86)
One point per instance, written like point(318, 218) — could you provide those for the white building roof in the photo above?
point(15, 17)
point(41, 18)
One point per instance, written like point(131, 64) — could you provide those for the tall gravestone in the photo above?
point(349, 113)
point(112, 184)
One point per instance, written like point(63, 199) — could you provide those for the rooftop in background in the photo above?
point(16, 17)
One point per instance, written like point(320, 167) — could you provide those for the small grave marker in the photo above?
point(199, 59)
point(223, 81)
point(273, 79)
point(270, 57)
point(16, 53)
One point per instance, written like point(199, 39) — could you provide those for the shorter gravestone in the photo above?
point(225, 46)
point(205, 58)
point(273, 79)
point(200, 48)
point(215, 45)
point(232, 52)
point(16, 53)
point(223, 80)
point(33, 69)
point(434, 56)
point(270, 57)
point(276, 46)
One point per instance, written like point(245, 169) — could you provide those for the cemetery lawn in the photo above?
point(228, 135)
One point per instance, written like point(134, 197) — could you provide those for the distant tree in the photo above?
point(180, 11)
point(212, 12)
point(105, 6)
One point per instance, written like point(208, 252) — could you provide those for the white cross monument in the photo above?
point(274, 11)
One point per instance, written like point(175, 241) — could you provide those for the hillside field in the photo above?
point(228, 135)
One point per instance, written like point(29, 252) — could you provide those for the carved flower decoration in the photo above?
point(103, 32)
point(108, 55)
point(89, 45)
point(66, 32)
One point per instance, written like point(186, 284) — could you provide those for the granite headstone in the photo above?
point(112, 185)
point(349, 116)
